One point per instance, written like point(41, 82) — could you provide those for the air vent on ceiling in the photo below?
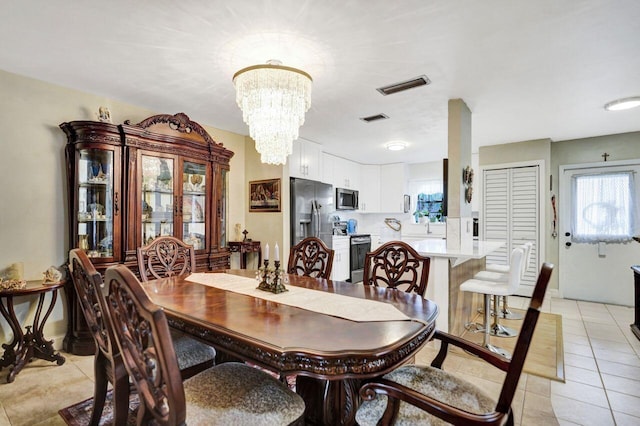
point(423, 80)
point(376, 117)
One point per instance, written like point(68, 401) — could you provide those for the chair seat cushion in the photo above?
point(236, 394)
point(495, 267)
point(433, 382)
point(189, 351)
point(492, 276)
point(486, 287)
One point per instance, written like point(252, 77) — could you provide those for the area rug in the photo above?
point(79, 414)
point(546, 352)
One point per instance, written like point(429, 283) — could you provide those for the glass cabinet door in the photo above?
point(95, 202)
point(194, 204)
point(158, 196)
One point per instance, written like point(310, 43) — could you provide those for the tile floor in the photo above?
point(601, 360)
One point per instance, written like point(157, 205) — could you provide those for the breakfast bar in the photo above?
point(449, 268)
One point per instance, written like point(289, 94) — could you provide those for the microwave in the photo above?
point(346, 199)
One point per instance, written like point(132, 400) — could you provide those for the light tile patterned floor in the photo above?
point(601, 360)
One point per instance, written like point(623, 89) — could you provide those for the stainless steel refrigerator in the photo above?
point(312, 204)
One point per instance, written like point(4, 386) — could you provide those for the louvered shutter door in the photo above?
point(495, 220)
point(511, 212)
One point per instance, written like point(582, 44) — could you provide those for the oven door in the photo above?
point(359, 248)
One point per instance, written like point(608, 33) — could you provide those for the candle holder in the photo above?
point(271, 279)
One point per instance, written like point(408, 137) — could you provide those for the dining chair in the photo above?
point(165, 257)
point(228, 393)
point(396, 264)
point(107, 365)
point(311, 258)
point(415, 394)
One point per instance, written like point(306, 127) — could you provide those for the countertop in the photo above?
point(433, 247)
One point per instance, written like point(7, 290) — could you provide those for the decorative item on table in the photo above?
point(272, 279)
point(12, 277)
point(237, 228)
point(51, 276)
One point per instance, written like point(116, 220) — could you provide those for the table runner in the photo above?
point(337, 305)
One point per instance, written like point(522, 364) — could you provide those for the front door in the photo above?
point(594, 261)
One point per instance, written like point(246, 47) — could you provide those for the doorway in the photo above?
point(596, 225)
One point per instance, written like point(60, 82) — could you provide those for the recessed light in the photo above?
point(395, 145)
point(620, 104)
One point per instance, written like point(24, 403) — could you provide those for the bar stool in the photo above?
point(495, 289)
point(497, 272)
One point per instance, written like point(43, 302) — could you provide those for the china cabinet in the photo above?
point(131, 183)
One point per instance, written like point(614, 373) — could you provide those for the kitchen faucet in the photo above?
point(428, 227)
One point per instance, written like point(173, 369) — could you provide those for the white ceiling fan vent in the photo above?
point(422, 80)
point(376, 117)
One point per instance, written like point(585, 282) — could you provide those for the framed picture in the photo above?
point(264, 195)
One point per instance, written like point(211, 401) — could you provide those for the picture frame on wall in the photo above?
point(264, 195)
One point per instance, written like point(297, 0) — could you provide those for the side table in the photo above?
point(244, 247)
point(32, 344)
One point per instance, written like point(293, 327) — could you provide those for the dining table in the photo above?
point(331, 336)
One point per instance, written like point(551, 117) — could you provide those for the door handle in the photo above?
point(568, 244)
point(567, 234)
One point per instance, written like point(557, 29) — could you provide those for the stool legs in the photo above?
point(506, 313)
point(496, 329)
point(487, 320)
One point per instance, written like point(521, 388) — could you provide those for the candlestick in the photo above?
point(266, 252)
point(277, 257)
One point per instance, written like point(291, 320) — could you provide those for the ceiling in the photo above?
point(526, 69)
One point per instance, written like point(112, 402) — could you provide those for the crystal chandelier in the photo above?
point(273, 99)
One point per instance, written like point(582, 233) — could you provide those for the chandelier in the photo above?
point(273, 99)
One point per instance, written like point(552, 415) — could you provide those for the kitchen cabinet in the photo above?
point(131, 183)
point(393, 187)
point(306, 160)
point(369, 189)
point(341, 268)
point(341, 173)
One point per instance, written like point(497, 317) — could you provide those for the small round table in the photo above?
point(32, 344)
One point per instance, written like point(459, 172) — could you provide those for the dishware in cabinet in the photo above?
point(174, 200)
point(94, 197)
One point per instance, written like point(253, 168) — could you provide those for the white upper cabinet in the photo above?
point(369, 189)
point(393, 187)
point(341, 173)
point(306, 160)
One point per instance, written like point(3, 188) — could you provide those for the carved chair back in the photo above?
point(438, 399)
point(108, 364)
point(311, 258)
point(164, 257)
point(142, 334)
point(89, 286)
point(397, 265)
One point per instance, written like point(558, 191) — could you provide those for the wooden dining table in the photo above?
point(329, 355)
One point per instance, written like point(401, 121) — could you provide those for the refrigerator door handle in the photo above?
point(317, 218)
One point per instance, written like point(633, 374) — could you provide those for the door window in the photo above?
point(603, 207)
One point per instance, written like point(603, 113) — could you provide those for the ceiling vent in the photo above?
point(423, 80)
point(376, 117)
